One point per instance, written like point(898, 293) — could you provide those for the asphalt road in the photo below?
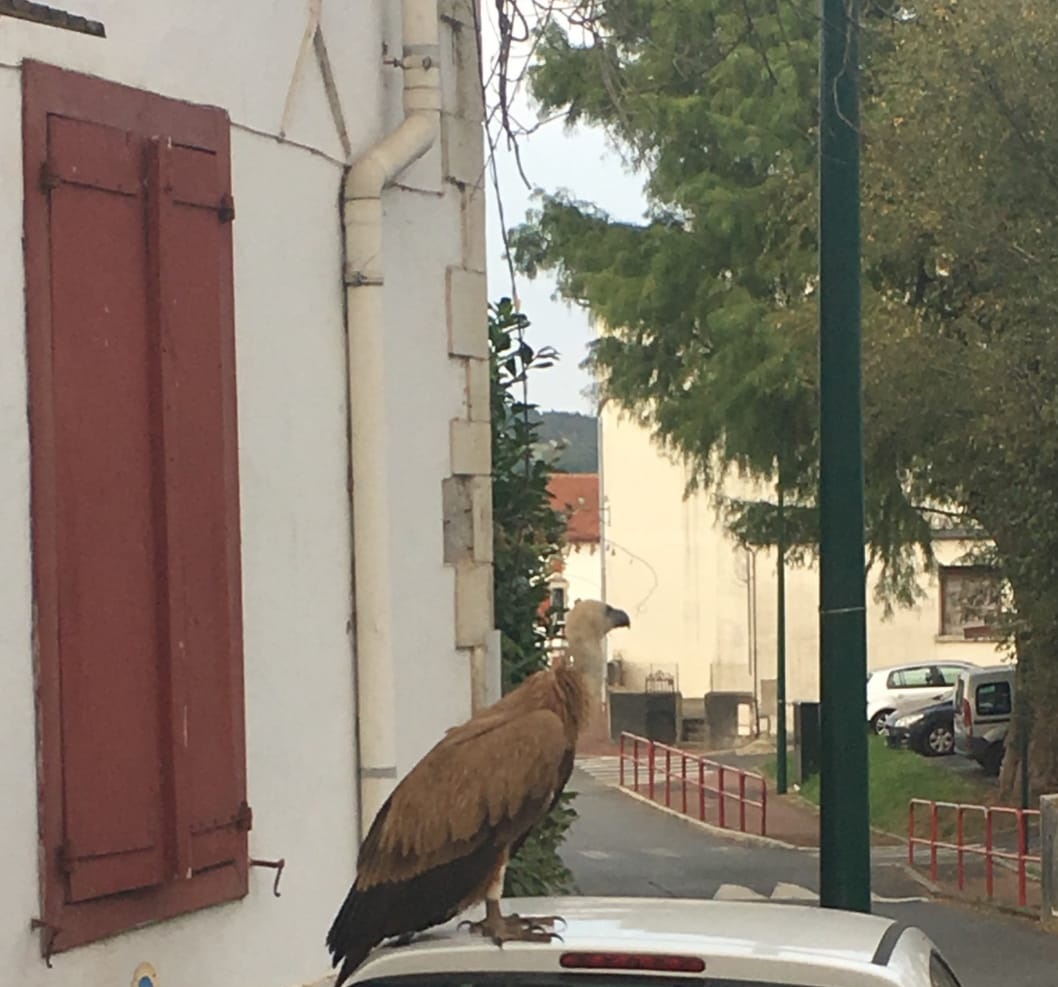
point(621, 846)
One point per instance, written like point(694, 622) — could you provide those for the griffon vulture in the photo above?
point(441, 841)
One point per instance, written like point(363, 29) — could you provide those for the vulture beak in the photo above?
point(617, 618)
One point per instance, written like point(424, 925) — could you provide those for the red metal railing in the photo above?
point(985, 848)
point(707, 790)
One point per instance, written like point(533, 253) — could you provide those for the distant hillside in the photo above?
point(570, 440)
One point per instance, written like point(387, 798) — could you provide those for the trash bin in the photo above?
point(646, 714)
point(807, 740)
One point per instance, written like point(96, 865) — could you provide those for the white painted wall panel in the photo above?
point(292, 400)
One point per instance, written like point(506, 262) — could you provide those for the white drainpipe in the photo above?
point(373, 522)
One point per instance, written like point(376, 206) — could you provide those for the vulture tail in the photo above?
point(357, 929)
point(353, 934)
point(382, 911)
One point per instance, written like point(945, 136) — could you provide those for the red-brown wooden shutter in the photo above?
point(130, 343)
point(191, 212)
point(108, 562)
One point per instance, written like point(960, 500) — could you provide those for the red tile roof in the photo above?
point(576, 495)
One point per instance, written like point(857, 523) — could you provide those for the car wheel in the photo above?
point(939, 742)
point(878, 722)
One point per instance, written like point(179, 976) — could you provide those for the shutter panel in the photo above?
point(202, 519)
point(108, 563)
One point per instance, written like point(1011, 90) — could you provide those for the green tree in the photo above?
point(962, 169)
point(710, 303)
point(527, 536)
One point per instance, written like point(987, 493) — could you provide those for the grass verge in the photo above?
point(896, 777)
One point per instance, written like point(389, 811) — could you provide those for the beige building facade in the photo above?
point(704, 609)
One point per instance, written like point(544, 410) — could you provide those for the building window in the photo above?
point(969, 602)
point(135, 505)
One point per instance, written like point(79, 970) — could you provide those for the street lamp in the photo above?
point(844, 838)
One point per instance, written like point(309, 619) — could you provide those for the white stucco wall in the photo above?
point(293, 458)
point(582, 572)
point(684, 582)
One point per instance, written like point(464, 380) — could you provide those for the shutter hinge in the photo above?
point(66, 858)
point(244, 818)
point(226, 209)
point(50, 934)
point(49, 178)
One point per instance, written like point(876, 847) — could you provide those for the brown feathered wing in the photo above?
point(441, 836)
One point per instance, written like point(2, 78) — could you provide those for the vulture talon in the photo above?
point(545, 933)
point(547, 921)
point(501, 929)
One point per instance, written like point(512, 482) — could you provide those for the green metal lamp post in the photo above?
point(780, 656)
point(845, 872)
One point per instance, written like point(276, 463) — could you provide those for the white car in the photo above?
point(918, 683)
point(656, 942)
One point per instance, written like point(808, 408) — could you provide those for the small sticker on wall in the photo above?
point(144, 976)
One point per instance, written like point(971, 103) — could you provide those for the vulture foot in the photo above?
point(514, 928)
point(545, 921)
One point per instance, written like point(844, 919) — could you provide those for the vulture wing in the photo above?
point(442, 836)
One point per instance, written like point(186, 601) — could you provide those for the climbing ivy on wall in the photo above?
point(527, 537)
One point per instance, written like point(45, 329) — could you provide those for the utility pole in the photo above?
point(780, 655)
point(844, 839)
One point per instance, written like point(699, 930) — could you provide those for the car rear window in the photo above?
point(993, 699)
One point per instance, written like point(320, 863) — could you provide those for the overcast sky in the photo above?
point(554, 158)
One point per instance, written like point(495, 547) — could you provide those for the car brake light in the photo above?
point(632, 961)
point(967, 717)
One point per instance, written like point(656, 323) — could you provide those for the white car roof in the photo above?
point(982, 670)
point(924, 663)
point(769, 942)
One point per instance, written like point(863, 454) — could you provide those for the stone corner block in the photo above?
point(473, 604)
point(466, 295)
point(471, 448)
point(463, 149)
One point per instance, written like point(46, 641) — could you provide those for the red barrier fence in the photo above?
point(694, 785)
point(990, 833)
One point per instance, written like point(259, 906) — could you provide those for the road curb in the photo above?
point(737, 836)
point(922, 880)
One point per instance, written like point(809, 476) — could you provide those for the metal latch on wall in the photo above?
point(276, 865)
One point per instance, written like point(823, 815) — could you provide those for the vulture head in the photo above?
point(586, 625)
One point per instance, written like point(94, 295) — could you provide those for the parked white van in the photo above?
point(984, 703)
